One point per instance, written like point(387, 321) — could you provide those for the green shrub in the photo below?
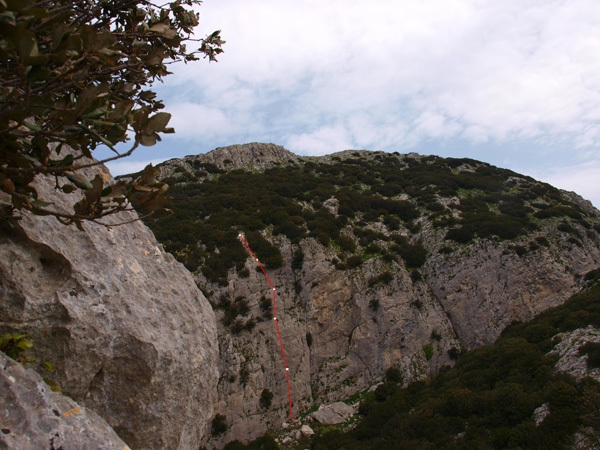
point(266, 442)
point(298, 259)
point(385, 390)
point(266, 397)
point(373, 248)
point(383, 278)
point(542, 241)
point(354, 261)
point(219, 424)
point(393, 374)
point(462, 234)
point(309, 339)
point(414, 255)
point(267, 253)
point(428, 350)
point(266, 306)
point(454, 353)
point(416, 276)
point(14, 344)
point(592, 350)
point(566, 227)
point(244, 375)
point(417, 304)
point(520, 250)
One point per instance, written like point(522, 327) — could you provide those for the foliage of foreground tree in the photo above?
point(76, 75)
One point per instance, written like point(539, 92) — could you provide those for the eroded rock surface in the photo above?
point(130, 335)
point(333, 414)
point(32, 416)
point(568, 349)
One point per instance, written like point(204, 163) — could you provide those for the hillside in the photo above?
point(381, 260)
point(536, 387)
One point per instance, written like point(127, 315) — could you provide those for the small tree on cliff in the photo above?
point(76, 74)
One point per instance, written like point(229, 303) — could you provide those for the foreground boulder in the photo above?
point(32, 416)
point(124, 326)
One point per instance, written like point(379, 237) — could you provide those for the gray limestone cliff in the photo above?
point(124, 326)
point(344, 327)
point(338, 343)
point(250, 157)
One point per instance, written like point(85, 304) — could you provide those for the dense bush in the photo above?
point(265, 442)
point(218, 425)
point(383, 278)
point(266, 397)
point(592, 350)
point(296, 201)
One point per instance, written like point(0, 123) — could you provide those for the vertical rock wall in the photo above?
point(125, 327)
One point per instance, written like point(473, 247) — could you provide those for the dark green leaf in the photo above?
point(37, 73)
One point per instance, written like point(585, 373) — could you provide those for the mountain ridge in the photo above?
point(381, 260)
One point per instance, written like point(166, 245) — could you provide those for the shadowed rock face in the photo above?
point(32, 416)
point(130, 335)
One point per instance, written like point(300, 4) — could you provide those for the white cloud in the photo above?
point(434, 125)
point(509, 68)
point(320, 142)
point(583, 179)
point(123, 167)
point(325, 75)
point(191, 120)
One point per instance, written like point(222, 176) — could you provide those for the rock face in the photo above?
point(130, 335)
point(567, 349)
point(251, 157)
point(32, 416)
point(344, 327)
point(333, 414)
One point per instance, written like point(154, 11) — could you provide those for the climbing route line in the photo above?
point(287, 369)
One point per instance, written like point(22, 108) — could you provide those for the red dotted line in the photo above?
point(287, 369)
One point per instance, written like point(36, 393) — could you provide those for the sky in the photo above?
point(514, 83)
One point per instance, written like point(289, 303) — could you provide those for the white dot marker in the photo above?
point(274, 318)
point(287, 369)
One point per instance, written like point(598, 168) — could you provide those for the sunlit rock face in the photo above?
point(124, 326)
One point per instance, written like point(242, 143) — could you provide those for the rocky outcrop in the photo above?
point(342, 332)
point(125, 327)
point(486, 286)
point(32, 416)
point(251, 157)
point(568, 350)
point(333, 414)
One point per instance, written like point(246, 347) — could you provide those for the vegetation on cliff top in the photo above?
point(363, 204)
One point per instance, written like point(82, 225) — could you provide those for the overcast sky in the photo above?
point(515, 83)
